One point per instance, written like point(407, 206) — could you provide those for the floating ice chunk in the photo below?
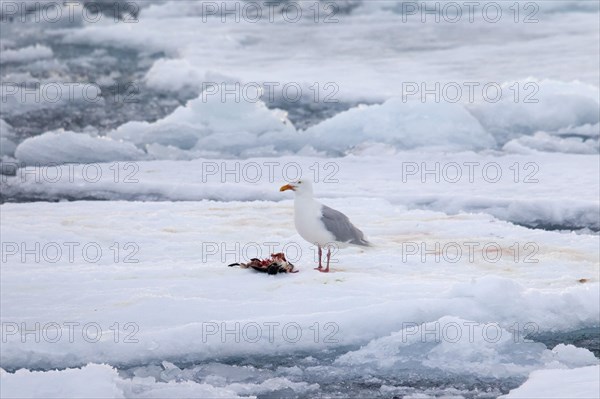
point(69, 147)
point(91, 381)
point(452, 345)
point(571, 356)
point(174, 75)
point(406, 125)
point(543, 105)
point(99, 381)
point(26, 54)
point(542, 141)
point(460, 346)
point(209, 124)
point(581, 382)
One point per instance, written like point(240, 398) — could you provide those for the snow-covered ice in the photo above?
point(119, 217)
point(171, 280)
point(527, 189)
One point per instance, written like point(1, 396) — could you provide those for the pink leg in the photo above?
point(320, 256)
point(326, 270)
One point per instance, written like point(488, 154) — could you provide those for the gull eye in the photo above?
point(299, 181)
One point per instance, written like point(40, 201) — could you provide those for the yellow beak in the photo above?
point(286, 187)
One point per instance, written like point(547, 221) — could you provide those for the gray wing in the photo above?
point(339, 225)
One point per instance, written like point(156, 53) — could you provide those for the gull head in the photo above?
point(300, 187)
